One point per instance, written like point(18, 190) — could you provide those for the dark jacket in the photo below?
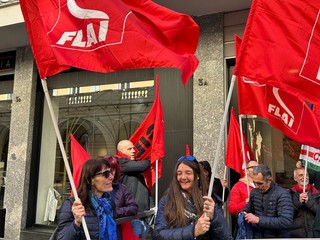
point(132, 176)
point(124, 201)
point(275, 211)
point(304, 213)
point(218, 228)
point(67, 229)
point(316, 226)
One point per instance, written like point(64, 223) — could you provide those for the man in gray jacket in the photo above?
point(270, 208)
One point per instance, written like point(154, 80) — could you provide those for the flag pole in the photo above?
point(157, 186)
point(243, 154)
point(305, 170)
point(224, 120)
point(63, 151)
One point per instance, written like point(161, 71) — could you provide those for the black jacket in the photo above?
point(275, 210)
point(132, 176)
point(304, 213)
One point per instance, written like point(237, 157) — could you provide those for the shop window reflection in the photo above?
point(99, 116)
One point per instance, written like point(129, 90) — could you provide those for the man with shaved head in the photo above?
point(132, 173)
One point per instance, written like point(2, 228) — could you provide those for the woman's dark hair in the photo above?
point(176, 203)
point(206, 166)
point(114, 165)
point(89, 169)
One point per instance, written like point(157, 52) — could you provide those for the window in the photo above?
point(6, 88)
point(99, 110)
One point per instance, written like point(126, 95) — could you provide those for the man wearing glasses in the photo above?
point(239, 195)
point(270, 208)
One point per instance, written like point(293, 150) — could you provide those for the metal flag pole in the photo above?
point(63, 151)
point(224, 120)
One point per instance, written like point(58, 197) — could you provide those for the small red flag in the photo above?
point(234, 158)
point(149, 139)
point(280, 47)
point(127, 232)
point(188, 150)
point(78, 156)
point(109, 35)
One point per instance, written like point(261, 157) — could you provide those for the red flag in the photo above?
point(283, 110)
point(127, 232)
point(250, 96)
point(107, 36)
point(78, 156)
point(234, 158)
point(280, 46)
point(188, 150)
point(149, 139)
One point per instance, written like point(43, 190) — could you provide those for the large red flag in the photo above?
point(283, 110)
point(109, 35)
point(234, 158)
point(281, 46)
point(149, 139)
point(78, 156)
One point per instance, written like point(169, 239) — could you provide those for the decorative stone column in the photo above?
point(209, 92)
point(20, 143)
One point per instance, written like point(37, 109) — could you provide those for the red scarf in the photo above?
point(297, 188)
point(122, 155)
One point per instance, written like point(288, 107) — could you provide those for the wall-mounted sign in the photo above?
point(7, 61)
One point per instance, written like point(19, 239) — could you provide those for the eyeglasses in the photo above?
point(188, 158)
point(106, 173)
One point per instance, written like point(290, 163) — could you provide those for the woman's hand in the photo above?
point(202, 225)
point(78, 212)
point(208, 206)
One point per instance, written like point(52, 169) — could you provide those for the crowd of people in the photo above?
point(114, 187)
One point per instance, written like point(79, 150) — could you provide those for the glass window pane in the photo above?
point(98, 113)
point(6, 88)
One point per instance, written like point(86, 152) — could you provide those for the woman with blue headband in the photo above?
point(186, 211)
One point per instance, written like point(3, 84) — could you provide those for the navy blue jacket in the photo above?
point(218, 228)
point(275, 211)
point(68, 230)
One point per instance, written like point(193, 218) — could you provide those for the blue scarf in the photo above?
point(107, 225)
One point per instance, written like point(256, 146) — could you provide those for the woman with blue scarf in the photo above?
point(94, 204)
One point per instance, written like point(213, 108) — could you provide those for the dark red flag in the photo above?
point(149, 139)
point(234, 158)
point(107, 36)
point(281, 47)
point(78, 156)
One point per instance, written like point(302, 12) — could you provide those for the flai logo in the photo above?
point(98, 27)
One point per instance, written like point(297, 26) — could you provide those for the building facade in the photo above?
point(101, 109)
